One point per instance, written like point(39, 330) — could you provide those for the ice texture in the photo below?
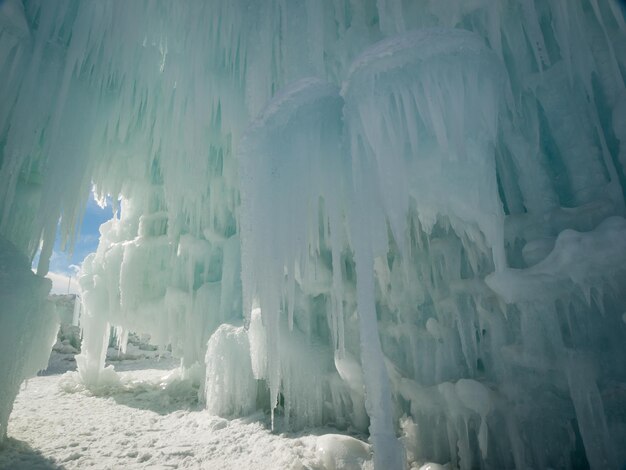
point(230, 388)
point(402, 218)
point(28, 326)
point(339, 452)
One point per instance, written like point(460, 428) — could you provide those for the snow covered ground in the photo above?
point(151, 422)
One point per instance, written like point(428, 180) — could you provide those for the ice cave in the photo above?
point(401, 222)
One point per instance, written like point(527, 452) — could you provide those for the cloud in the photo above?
point(89, 239)
point(61, 282)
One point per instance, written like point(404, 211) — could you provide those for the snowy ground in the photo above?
point(150, 423)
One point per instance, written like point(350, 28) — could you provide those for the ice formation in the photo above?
point(28, 326)
point(399, 217)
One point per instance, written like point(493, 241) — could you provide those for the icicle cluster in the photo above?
point(405, 217)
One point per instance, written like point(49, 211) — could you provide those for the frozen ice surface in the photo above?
point(401, 218)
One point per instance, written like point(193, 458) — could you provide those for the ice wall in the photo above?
point(28, 326)
point(415, 208)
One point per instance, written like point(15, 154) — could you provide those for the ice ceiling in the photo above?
point(403, 217)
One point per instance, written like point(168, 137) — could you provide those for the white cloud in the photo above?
point(61, 282)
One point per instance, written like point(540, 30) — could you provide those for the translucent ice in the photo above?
point(413, 211)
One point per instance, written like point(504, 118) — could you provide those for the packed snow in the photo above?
point(400, 220)
point(152, 420)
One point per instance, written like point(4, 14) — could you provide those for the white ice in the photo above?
point(397, 218)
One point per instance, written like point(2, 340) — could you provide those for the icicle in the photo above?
point(350, 221)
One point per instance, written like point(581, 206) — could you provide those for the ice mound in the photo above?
point(339, 452)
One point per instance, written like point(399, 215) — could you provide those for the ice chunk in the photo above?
point(433, 466)
point(581, 259)
point(339, 452)
point(230, 387)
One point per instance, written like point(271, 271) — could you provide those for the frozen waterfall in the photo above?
point(398, 217)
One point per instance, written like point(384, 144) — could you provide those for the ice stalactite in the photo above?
point(408, 103)
point(407, 217)
point(276, 254)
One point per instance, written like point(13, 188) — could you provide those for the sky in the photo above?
point(63, 266)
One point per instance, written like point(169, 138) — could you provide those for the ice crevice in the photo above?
point(397, 218)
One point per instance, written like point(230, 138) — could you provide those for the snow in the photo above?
point(152, 420)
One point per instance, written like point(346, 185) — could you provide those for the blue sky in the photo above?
point(63, 265)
